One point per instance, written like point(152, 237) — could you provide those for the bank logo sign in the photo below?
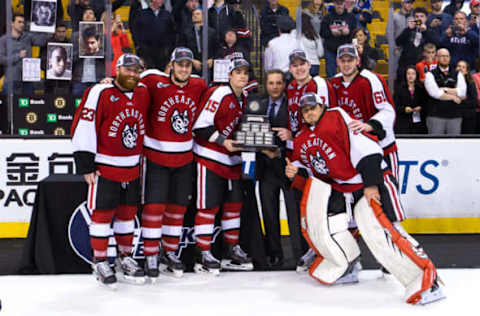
point(23, 131)
point(23, 102)
point(51, 117)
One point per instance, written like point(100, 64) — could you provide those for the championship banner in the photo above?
point(43, 115)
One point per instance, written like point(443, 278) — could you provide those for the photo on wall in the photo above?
point(43, 16)
point(92, 40)
point(59, 61)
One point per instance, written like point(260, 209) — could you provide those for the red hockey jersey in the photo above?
point(171, 114)
point(108, 130)
point(316, 85)
point(367, 98)
point(331, 151)
point(220, 115)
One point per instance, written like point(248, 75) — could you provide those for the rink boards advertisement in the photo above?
point(439, 182)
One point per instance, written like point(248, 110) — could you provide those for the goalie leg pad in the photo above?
point(408, 263)
point(327, 235)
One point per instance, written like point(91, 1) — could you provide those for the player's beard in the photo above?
point(127, 82)
point(178, 79)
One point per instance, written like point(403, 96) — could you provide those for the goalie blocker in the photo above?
point(325, 227)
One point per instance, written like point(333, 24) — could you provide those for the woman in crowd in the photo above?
point(368, 55)
point(410, 98)
point(316, 10)
point(476, 80)
point(469, 105)
point(311, 43)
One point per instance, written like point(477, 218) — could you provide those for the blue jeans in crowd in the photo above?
point(331, 60)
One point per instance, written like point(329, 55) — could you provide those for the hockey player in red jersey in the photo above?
point(302, 83)
point(107, 138)
point(365, 96)
point(168, 169)
point(219, 171)
point(348, 173)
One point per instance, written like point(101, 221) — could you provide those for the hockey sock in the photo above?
point(152, 217)
point(123, 226)
point(100, 232)
point(204, 221)
point(231, 222)
point(172, 227)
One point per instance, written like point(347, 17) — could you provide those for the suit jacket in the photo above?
point(263, 163)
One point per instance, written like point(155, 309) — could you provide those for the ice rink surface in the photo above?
point(241, 293)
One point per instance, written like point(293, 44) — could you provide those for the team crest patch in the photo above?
point(162, 85)
point(180, 122)
point(293, 120)
point(114, 98)
point(129, 136)
point(318, 163)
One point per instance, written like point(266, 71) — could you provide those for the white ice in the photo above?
point(241, 293)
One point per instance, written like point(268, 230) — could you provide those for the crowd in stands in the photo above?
point(419, 38)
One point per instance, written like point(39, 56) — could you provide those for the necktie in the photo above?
point(271, 115)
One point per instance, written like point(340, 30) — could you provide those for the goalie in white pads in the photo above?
point(347, 171)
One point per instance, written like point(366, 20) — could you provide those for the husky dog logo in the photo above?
point(318, 163)
point(180, 122)
point(130, 136)
point(114, 98)
point(293, 120)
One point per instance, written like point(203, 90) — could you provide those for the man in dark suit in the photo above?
point(270, 173)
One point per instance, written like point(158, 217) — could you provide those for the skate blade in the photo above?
point(301, 269)
point(198, 268)
point(110, 286)
point(131, 280)
point(348, 279)
point(165, 270)
point(227, 265)
point(151, 280)
point(428, 297)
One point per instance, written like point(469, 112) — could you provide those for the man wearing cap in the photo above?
point(437, 20)
point(303, 82)
point(107, 139)
point(366, 97)
point(280, 47)
point(218, 165)
point(348, 176)
point(474, 16)
point(168, 168)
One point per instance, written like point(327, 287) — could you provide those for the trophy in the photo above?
point(255, 132)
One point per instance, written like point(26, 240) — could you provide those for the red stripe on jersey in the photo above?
point(119, 174)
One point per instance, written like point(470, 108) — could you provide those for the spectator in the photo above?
point(395, 27)
point(368, 55)
point(77, 8)
point(279, 48)
point(336, 30)
point(311, 43)
point(474, 17)
point(317, 11)
point(120, 42)
point(86, 71)
point(469, 104)
point(445, 87)
point(155, 35)
point(476, 80)
point(56, 86)
point(192, 39)
point(460, 40)
point(437, 20)
point(182, 13)
point(412, 39)
point(429, 61)
point(20, 45)
point(410, 98)
point(362, 10)
point(224, 17)
point(268, 20)
point(453, 7)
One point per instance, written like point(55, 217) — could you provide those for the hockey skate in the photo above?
point(306, 260)
point(128, 271)
point(236, 259)
point(435, 293)
point(205, 262)
point(151, 268)
point(104, 274)
point(351, 275)
point(170, 264)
